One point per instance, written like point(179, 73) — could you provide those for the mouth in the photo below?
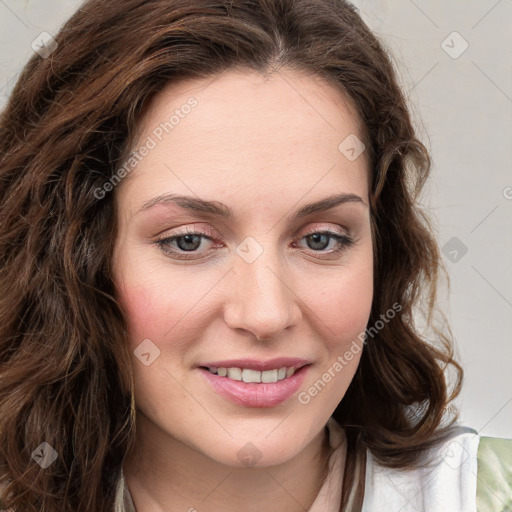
point(254, 383)
point(255, 371)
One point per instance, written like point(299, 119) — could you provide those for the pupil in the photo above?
point(189, 240)
point(317, 237)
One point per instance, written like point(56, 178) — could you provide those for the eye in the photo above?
point(187, 242)
point(318, 241)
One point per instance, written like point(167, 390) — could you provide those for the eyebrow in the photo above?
point(218, 209)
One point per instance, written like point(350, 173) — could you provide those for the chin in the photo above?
point(252, 453)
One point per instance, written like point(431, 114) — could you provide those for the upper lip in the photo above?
point(253, 364)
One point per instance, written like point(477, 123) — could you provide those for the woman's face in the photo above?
point(255, 291)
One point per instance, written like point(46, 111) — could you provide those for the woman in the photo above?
point(211, 256)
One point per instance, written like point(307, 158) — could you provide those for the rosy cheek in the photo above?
point(142, 310)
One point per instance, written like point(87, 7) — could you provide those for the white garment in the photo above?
point(448, 484)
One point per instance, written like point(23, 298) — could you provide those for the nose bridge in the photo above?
point(263, 302)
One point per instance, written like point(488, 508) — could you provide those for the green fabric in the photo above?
point(494, 475)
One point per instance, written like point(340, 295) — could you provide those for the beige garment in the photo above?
point(328, 498)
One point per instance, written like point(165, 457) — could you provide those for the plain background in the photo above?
point(455, 67)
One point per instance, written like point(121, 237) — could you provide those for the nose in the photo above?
point(261, 300)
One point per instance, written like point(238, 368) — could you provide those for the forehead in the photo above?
point(249, 133)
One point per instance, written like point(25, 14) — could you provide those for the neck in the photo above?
point(164, 474)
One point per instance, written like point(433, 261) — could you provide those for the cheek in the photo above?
point(149, 305)
point(341, 310)
point(343, 303)
point(150, 309)
point(160, 307)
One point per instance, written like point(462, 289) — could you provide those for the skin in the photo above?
point(263, 147)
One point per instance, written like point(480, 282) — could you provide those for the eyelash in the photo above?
point(344, 242)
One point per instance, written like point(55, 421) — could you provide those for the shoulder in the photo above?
point(460, 477)
point(494, 478)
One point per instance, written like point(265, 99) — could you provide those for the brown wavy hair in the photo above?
point(65, 367)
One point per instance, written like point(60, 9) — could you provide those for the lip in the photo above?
point(250, 394)
point(253, 364)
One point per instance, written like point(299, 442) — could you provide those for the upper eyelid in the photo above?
point(211, 234)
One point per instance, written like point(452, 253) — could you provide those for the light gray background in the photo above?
point(462, 106)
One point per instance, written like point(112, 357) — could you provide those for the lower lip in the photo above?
point(251, 394)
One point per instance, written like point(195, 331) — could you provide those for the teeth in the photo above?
point(251, 376)
point(235, 373)
point(269, 376)
point(247, 375)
